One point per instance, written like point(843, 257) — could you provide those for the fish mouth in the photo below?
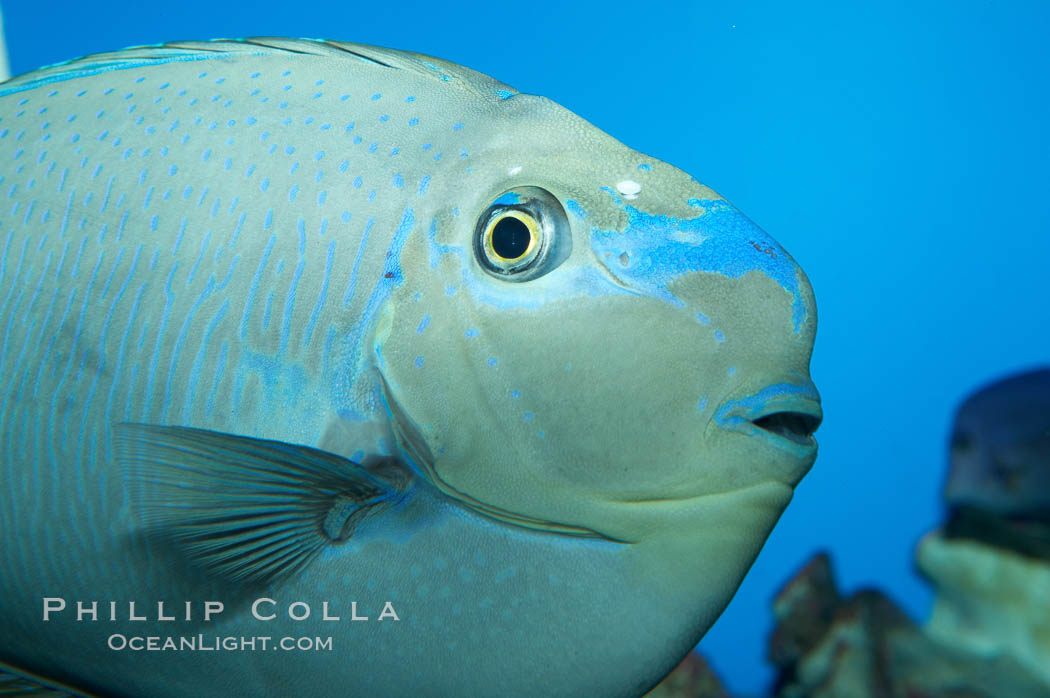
point(785, 415)
point(796, 426)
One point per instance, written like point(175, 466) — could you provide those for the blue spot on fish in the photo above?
point(575, 208)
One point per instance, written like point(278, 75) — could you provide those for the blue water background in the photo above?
point(900, 150)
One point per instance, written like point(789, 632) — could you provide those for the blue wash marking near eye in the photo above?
point(472, 332)
point(720, 240)
point(701, 404)
point(423, 324)
point(575, 209)
point(719, 337)
point(508, 199)
point(704, 320)
point(515, 394)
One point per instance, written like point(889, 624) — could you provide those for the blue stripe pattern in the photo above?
point(189, 241)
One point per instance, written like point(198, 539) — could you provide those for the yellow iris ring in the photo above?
point(534, 238)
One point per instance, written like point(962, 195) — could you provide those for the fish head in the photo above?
point(591, 329)
point(999, 450)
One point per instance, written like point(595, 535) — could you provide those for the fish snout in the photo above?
point(782, 416)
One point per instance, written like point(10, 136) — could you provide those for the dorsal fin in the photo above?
point(455, 76)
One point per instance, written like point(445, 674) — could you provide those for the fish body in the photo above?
point(289, 324)
point(1000, 448)
point(998, 484)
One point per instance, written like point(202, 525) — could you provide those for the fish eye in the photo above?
point(522, 235)
point(511, 238)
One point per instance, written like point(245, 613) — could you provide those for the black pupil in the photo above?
point(510, 238)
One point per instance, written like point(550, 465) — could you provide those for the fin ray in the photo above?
point(247, 509)
point(26, 685)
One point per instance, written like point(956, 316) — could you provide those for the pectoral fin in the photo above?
point(16, 684)
point(244, 508)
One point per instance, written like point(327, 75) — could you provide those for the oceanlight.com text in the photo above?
point(216, 643)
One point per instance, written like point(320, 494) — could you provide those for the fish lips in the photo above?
point(783, 416)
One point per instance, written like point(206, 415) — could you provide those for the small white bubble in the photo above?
point(629, 188)
point(514, 170)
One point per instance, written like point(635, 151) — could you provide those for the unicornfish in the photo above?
point(998, 484)
point(329, 369)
